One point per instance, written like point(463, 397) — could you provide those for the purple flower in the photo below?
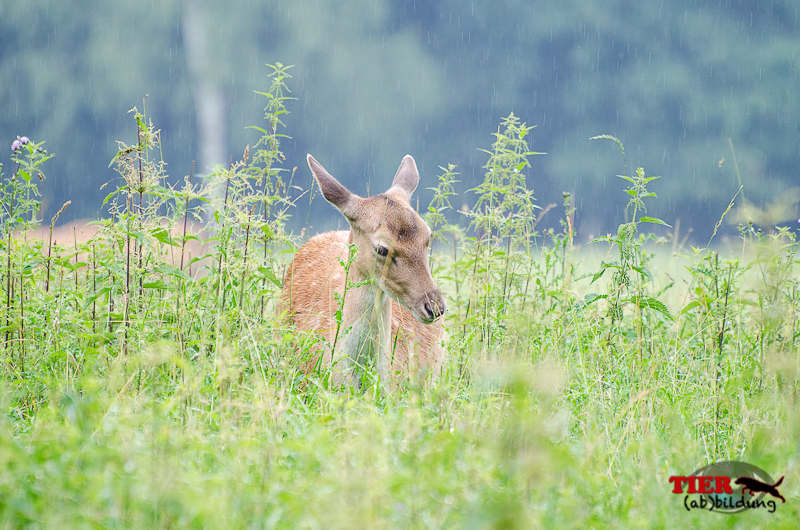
point(16, 145)
point(24, 140)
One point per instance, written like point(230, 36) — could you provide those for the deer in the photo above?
point(392, 310)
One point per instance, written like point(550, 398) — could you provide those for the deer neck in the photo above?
point(367, 312)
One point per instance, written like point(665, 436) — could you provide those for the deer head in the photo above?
point(392, 239)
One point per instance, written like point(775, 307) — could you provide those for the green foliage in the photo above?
point(504, 212)
point(146, 381)
point(436, 215)
point(20, 194)
point(632, 256)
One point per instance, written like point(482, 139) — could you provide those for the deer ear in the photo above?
point(406, 178)
point(332, 190)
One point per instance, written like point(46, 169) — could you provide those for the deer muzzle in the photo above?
point(432, 306)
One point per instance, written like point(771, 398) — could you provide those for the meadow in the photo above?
point(146, 381)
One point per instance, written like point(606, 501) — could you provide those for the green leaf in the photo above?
point(120, 154)
point(268, 274)
point(597, 276)
point(139, 120)
point(64, 262)
point(644, 272)
point(108, 197)
point(30, 265)
point(652, 303)
point(653, 220)
point(593, 297)
point(116, 269)
point(171, 271)
point(267, 230)
point(603, 267)
point(691, 305)
point(259, 129)
point(163, 235)
point(95, 296)
point(608, 239)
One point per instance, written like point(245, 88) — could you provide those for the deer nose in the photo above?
point(434, 305)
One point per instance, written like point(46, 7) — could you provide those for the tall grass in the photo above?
point(146, 382)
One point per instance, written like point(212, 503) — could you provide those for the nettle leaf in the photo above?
point(593, 297)
point(30, 265)
point(652, 303)
point(172, 271)
point(691, 305)
point(597, 276)
point(93, 297)
point(268, 274)
point(603, 267)
point(163, 235)
point(653, 220)
point(161, 192)
point(140, 121)
point(259, 129)
point(64, 262)
point(121, 154)
point(116, 269)
point(603, 239)
point(267, 231)
point(644, 272)
point(113, 193)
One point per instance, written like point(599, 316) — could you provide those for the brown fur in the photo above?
point(403, 275)
point(308, 289)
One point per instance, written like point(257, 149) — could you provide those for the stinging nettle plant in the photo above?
point(19, 199)
point(504, 219)
point(632, 277)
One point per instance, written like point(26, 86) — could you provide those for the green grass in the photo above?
point(148, 392)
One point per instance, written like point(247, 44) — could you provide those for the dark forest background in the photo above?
point(678, 81)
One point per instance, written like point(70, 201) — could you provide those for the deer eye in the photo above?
point(382, 251)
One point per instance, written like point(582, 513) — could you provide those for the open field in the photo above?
point(144, 385)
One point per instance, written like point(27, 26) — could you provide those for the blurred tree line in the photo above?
point(376, 79)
